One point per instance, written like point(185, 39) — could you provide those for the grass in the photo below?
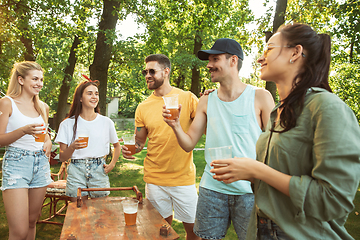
point(129, 173)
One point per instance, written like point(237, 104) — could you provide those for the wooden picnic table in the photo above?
point(103, 218)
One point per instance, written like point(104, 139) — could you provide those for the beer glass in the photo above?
point(172, 104)
point(41, 133)
point(129, 142)
point(130, 207)
point(220, 153)
point(83, 136)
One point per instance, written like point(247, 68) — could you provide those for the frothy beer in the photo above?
point(130, 208)
point(131, 147)
point(174, 113)
point(84, 140)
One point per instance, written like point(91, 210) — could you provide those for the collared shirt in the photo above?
point(322, 154)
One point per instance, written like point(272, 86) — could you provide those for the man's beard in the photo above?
point(156, 83)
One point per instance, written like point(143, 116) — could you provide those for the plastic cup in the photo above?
point(218, 153)
point(130, 208)
point(172, 104)
point(83, 136)
point(40, 136)
point(129, 142)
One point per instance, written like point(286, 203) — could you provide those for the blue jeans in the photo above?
point(25, 169)
point(87, 173)
point(215, 211)
point(268, 230)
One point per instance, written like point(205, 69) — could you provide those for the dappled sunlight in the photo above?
point(132, 166)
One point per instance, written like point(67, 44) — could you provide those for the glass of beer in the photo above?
point(41, 133)
point(220, 153)
point(83, 136)
point(129, 142)
point(172, 104)
point(130, 207)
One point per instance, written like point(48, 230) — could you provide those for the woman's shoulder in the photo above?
point(5, 102)
point(68, 121)
point(320, 102)
point(322, 97)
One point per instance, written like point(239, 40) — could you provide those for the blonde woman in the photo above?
point(26, 169)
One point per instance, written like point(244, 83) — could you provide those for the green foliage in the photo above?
point(345, 82)
point(346, 30)
point(172, 28)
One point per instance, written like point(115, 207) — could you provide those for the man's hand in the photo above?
point(126, 153)
point(166, 113)
point(206, 92)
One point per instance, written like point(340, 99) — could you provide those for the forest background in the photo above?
point(59, 35)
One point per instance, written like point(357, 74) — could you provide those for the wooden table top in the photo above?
point(103, 218)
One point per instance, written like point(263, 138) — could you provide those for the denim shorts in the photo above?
point(87, 173)
point(268, 230)
point(25, 169)
point(215, 211)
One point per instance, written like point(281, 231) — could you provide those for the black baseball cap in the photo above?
point(222, 45)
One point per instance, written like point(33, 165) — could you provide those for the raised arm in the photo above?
point(188, 140)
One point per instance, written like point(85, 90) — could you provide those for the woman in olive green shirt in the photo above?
point(308, 167)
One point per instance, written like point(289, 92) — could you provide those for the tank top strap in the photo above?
point(13, 106)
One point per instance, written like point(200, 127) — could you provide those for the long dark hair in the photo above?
point(314, 72)
point(76, 105)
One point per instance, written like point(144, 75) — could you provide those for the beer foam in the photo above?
point(130, 210)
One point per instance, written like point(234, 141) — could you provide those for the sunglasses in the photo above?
point(268, 48)
point(150, 71)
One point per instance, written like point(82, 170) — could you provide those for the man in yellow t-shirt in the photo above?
point(169, 171)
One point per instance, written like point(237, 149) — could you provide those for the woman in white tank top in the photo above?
point(26, 169)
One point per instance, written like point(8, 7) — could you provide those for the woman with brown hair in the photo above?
point(25, 167)
point(308, 159)
point(88, 168)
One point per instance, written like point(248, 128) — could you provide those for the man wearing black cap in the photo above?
point(233, 115)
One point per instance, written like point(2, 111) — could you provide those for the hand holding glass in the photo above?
point(172, 104)
point(83, 136)
point(129, 142)
point(218, 153)
point(41, 133)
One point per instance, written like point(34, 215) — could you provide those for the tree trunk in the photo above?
point(278, 21)
point(195, 77)
point(99, 67)
point(179, 81)
point(65, 87)
point(280, 11)
point(27, 41)
point(25, 33)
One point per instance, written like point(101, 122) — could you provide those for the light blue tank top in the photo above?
point(231, 123)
